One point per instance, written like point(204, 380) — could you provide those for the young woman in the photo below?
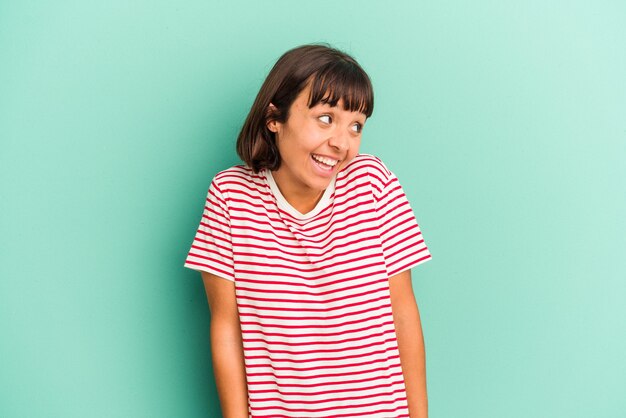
point(306, 251)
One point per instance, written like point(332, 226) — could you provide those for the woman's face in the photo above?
point(314, 144)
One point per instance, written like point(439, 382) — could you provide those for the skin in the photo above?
point(336, 134)
point(408, 326)
point(226, 346)
point(322, 130)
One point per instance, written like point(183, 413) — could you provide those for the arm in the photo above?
point(410, 342)
point(226, 346)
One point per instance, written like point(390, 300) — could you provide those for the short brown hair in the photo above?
point(333, 75)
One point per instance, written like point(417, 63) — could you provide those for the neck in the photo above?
point(304, 204)
point(301, 199)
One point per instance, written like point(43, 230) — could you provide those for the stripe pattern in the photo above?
point(313, 292)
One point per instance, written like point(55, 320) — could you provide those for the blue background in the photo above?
point(503, 120)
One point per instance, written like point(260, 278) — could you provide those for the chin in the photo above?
point(319, 185)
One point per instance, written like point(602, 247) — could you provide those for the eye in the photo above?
point(357, 127)
point(326, 119)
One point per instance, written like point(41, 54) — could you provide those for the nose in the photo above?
point(340, 140)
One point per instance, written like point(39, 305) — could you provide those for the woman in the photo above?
point(305, 252)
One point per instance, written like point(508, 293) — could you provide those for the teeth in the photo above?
point(328, 161)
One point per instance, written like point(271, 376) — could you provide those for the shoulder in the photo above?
point(367, 163)
point(236, 171)
point(370, 167)
point(236, 179)
point(371, 170)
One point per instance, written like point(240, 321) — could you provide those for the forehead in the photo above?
point(333, 86)
point(303, 102)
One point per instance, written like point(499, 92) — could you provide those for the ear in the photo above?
point(272, 124)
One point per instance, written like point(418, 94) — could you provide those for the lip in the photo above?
point(330, 157)
point(321, 170)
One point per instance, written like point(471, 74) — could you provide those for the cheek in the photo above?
point(295, 147)
point(352, 152)
point(311, 138)
point(354, 147)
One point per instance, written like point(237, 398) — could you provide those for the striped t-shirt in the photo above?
point(312, 289)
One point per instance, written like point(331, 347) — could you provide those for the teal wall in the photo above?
point(505, 122)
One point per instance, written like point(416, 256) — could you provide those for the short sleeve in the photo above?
point(402, 240)
point(211, 250)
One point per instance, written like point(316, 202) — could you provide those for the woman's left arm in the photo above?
point(406, 319)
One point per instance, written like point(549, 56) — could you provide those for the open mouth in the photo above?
point(324, 162)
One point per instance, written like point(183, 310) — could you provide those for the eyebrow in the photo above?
point(362, 118)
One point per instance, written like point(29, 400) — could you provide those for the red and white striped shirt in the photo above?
point(312, 289)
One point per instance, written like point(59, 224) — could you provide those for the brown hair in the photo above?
point(333, 76)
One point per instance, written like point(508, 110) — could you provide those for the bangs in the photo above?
point(343, 81)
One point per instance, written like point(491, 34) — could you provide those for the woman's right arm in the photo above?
point(226, 346)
